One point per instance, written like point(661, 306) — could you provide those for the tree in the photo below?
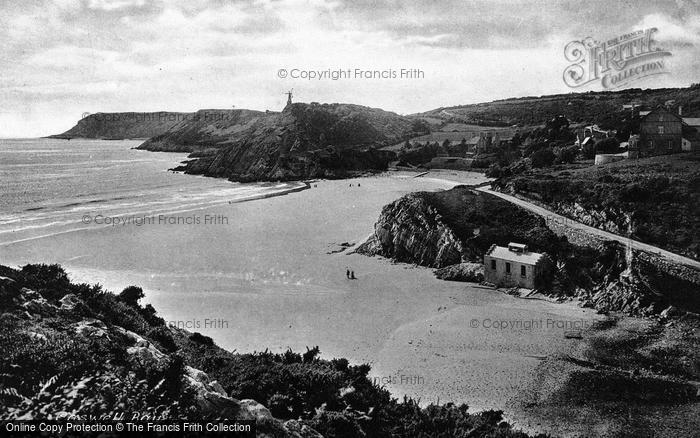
point(420, 126)
point(131, 295)
point(567, 154)
point(543, 158)
point(588, 150)
point(516, 140)
point(607, 146)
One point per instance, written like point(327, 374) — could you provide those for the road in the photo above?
point(551, 216)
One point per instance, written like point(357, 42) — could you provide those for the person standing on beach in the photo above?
point(347, 272)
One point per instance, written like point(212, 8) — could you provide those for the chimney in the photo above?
point(680, 110)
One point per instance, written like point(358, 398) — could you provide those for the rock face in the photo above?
point(450, 227)
point(471, 272)
point(117, 126)
point(207, 130)
point(303, 141)
point(410, 230)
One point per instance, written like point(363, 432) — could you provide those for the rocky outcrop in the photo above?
point(614, 221)
point(471, 272)
point(410, 230)
point(118, 126)
point(446, 228)
point(303, 141)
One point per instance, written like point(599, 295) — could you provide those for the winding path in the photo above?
point(551, 216)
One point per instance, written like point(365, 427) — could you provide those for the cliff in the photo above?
point(303, 141)
point(206, 130)
point(77, 350)
point(458, 225)
point(119, 126)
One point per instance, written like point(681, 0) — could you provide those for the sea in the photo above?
point(50, 186)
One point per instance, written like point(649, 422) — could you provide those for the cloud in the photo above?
point(112, 5)
point(62, 58)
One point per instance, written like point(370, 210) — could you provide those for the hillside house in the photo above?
point(514, 265)
point(691, 134)
point(660, 132)
point(473, 143)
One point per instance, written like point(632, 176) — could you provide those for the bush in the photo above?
point(163, 337)
point(338, 425)
point(588, 150)
point(607, 146)
point(494, 171)
point(131, 295)
point(51, 281)
point(567, 154)
point(542, 158)
point(201, 339)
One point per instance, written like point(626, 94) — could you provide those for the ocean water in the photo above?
point(50, 186)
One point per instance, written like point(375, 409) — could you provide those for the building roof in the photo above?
point(503, 253)
point(473, 140)
point(692, 121)
point(659, 111)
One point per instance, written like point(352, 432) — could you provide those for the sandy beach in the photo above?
point(271, 278)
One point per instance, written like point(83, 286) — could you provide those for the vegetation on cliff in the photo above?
point(601, 108)
point(75, 349)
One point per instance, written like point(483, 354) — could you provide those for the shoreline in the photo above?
point(282, 192)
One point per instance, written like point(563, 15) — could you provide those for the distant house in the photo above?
point(686, 145)
point(691, 134)
point(595, 132)
point(591, 133)
point(472, 143)
point(601, 159)
point(485, 142)
point(693, 122)
point(633, 146)
point(660, 132)
point(514, 265)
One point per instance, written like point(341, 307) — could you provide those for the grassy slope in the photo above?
point(591, 107)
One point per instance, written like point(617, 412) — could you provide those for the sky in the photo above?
point(61, 59)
